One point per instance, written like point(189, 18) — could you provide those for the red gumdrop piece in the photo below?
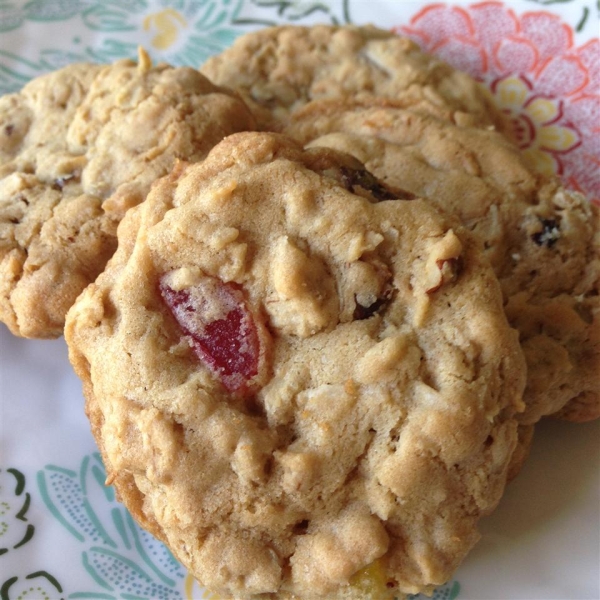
point(221, 328)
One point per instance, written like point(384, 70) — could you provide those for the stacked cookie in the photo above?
point(78, 148)
point(416, 123)
point(316, 297)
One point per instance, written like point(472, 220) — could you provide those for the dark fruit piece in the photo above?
point(221, 328)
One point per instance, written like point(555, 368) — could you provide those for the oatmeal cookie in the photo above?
point(543, 241)
point(279, 69)
point(78, 147)
point(317, 384)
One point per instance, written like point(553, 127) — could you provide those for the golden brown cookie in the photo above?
point(317, 387)
point(542, 240)
point(78, 147)
point(522, 450)
point(279, 69)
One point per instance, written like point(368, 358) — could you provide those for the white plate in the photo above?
point(62, 534)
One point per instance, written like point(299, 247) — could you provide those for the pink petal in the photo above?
point(493, 22)
point(584, 113)
point(439, 23)
point(416, 35)
point(547, 32)
point(463, 54)
point(561, 76)
point(589, 54)
point(514, 55)
point(582, 172)
point(591, 146)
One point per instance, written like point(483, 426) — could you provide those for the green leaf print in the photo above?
point(11, 17)
point(15, 529)
point(52, 10)
point(272, 12)
point(448, 591)
point(122, 560)
point(39, 585)
point(295, 10)
point(104, 17)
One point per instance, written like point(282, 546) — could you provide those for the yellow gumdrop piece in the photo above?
point(372, 582)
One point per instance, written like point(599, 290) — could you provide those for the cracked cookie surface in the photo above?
point(316, 381)
point(543, 241)
point(279, 69)
point(78, 147)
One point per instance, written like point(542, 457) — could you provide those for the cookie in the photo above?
point(78, 147)
point(279, 69)
point(522, 451)
point(317, 385)
point(542, 240)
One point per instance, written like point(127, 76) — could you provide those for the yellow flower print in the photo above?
point(533, 121)
point(167, 22)
point(178, 32)
point(511, 93)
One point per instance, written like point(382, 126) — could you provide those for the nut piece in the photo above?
point(305, 300)
point(382, 362)
point(353, 541)
point(443, 263)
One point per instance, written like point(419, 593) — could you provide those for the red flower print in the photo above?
point(548, 86)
